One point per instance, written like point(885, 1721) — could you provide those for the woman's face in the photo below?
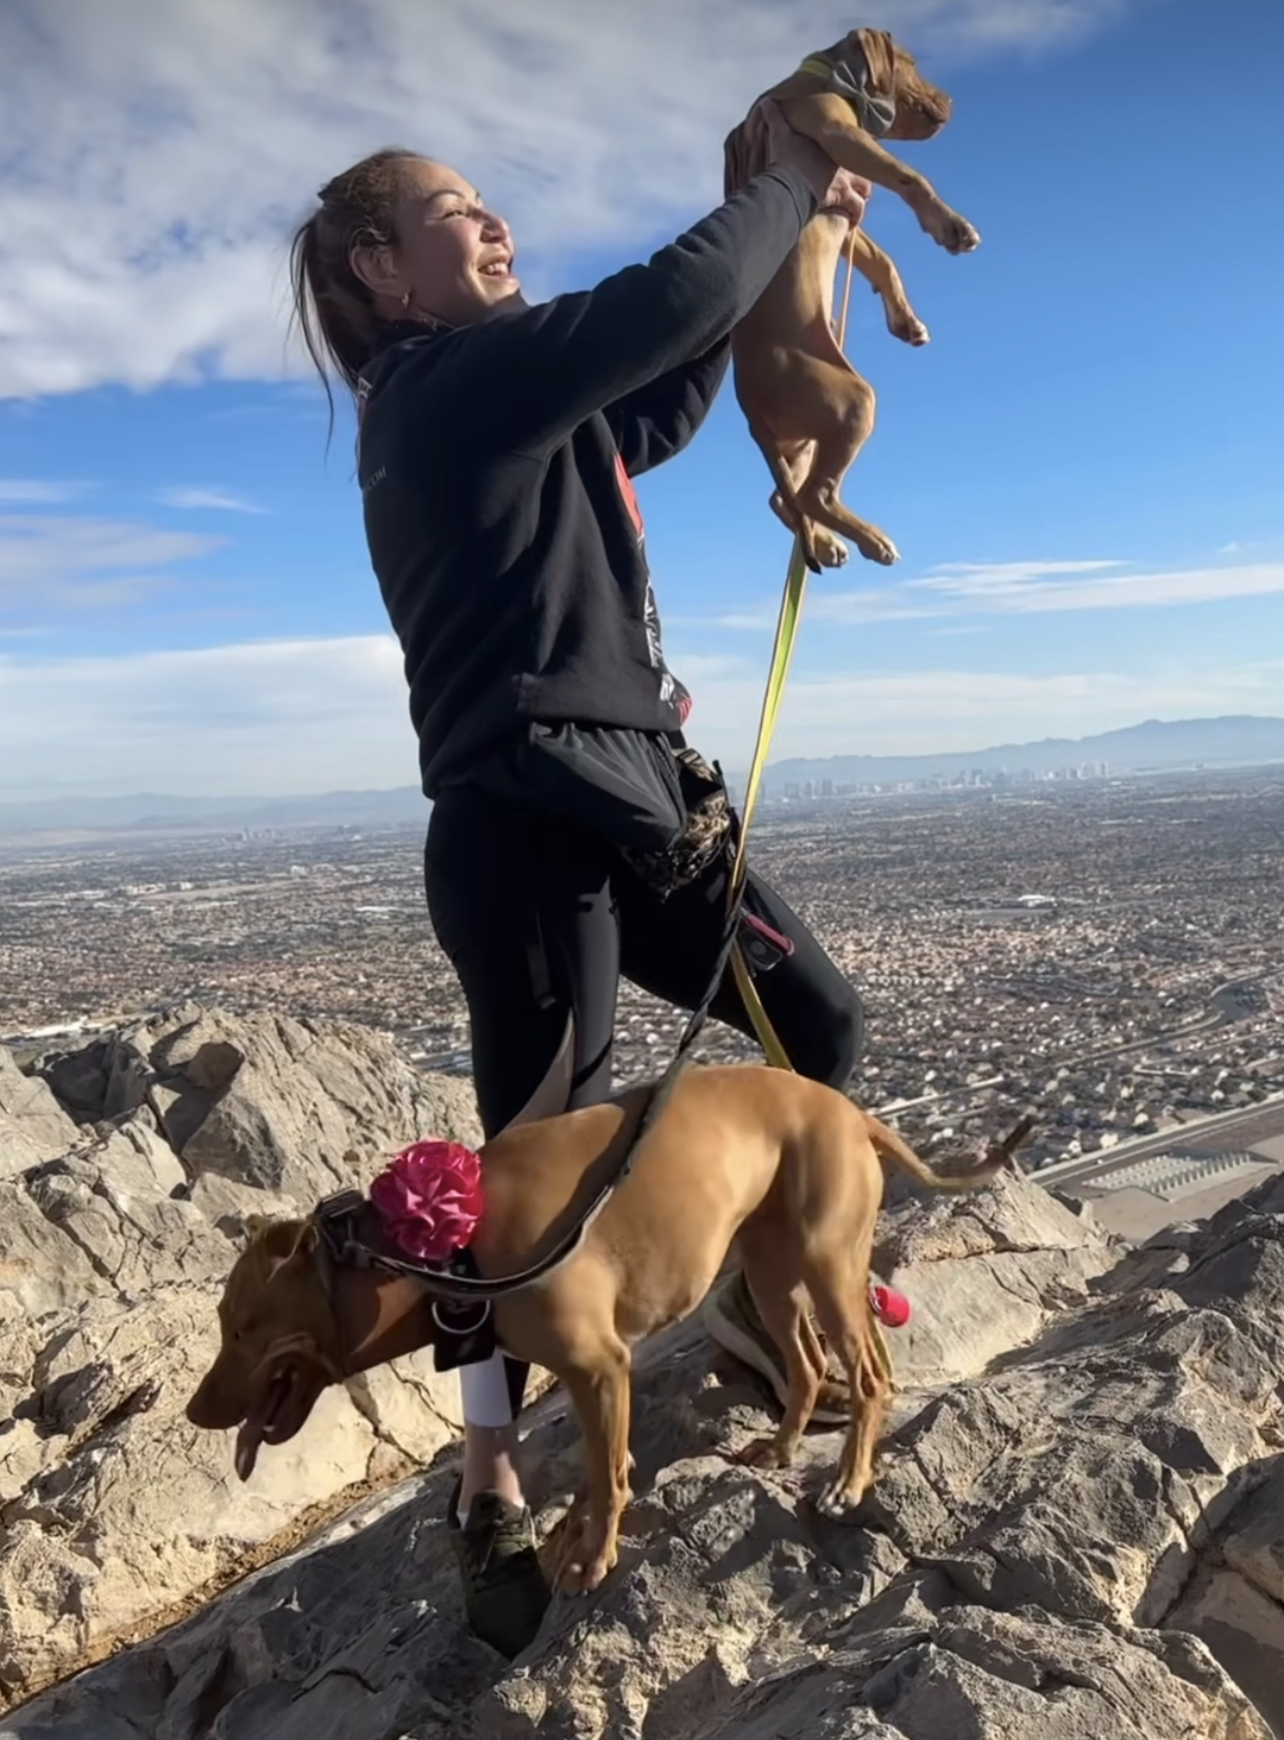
point(453, 256)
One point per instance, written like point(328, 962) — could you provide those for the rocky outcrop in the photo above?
point(986, 1273)
point(129, 1169)
point(737, 1613)
point(1077, 1531)
point(33, 1126)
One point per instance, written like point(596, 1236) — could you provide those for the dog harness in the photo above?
point(466, 1326)
point(848, 77)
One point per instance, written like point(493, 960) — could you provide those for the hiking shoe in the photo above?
point(733, 1323)
point(505, 1592)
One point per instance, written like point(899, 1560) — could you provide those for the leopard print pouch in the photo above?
point(706, 836)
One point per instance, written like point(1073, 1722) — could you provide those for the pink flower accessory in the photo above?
point(890, 1307)
point(430, 1199)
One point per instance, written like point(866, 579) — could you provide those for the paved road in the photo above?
point(1229, 1006)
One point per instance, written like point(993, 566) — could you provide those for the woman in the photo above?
point(497, 443)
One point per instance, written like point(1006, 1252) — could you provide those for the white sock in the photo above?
point(484, 1389)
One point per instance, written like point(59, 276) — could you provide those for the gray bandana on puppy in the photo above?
point(848, 77)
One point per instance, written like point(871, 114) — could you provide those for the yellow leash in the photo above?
point(781, 656)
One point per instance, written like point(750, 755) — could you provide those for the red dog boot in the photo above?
point(890, 1308)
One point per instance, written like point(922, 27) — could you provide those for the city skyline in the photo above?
point(1145, 749)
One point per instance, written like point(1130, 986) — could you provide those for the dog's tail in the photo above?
point(998, 1157)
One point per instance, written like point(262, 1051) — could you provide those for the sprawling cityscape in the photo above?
point(1107, 952)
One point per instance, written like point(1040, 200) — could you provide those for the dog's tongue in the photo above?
point(252, 1429)
point(248, 1440)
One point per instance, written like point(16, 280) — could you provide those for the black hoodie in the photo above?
point(494, 468)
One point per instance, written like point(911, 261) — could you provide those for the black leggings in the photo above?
point(540, 918)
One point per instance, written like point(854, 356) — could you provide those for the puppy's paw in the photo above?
point(583, 1571)
point(954, 233)
point(600, 1569)
point(839, 1501)
point(876, 546)
point(903, 323)
point(565, 1545)
point(569, 1575)
point(831, 551)
point(960, 237)
point(767, 1453)
point(570, 1580)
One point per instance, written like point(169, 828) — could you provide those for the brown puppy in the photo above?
point(806, 406)
point(783, 1165)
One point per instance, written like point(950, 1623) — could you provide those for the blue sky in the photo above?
point(1082, 471)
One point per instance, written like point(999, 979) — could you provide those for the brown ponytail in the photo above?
point(333, 310)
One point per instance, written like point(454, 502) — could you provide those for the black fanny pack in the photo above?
point(665, 810)
point(619, 782)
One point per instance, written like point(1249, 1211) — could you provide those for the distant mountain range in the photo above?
point(1155, 747)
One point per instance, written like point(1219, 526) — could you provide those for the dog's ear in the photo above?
point(297, 1238)
point(879, 50)
point(256, 1225)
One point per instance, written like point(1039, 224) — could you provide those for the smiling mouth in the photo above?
point(497, 269)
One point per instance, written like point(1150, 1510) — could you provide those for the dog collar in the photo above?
point(848, 77)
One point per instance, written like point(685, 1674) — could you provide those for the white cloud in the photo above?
point(875, 712)
point(1021, 589)
point(37, 492)
point(999, 577)
point(315, 715)
point(156, 156)
point(217, 499)
point(50, 561)
point(258, 719)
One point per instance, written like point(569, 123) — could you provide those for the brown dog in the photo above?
point(783, 1165)
point(807, 408)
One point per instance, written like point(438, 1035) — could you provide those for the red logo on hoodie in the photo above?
point(630, 497)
